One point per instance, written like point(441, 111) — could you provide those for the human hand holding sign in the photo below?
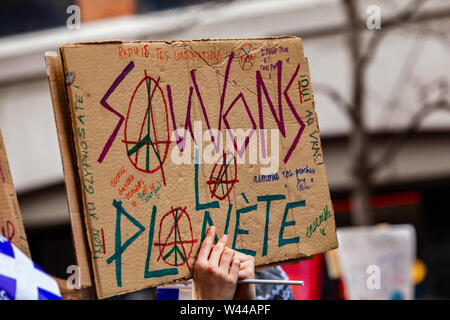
point(246, 271)
point(218, 269)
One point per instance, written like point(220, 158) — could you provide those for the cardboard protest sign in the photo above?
point(64, 127)
point(11, 224)
point(376, 262)
point(174, 136)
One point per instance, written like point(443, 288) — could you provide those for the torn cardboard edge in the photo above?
point(12, 216)
point(63, 121)
point(170, 42)
point(283, 263)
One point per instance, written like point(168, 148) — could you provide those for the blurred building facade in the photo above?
point(412, 63)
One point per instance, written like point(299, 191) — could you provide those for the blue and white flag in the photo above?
point(21, 278)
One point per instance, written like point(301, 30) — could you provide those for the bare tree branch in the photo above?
point(402, 17)
point(337, 98)
point(442, 102)
point(358, 142)
point(406, 75)
point(396, 143)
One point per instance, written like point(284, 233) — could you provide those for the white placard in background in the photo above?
point(376, 262)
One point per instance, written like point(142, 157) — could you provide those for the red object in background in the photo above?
point(92, 10)
point(309, 271)
point(381, 201)
point(342, 289)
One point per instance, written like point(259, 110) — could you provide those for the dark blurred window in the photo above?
point(154, 5)
point(20, 16)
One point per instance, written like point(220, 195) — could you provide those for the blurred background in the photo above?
point(380, 72)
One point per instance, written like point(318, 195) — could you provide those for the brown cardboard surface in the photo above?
point(65, 139)
point(147, 204)
point(11, 224)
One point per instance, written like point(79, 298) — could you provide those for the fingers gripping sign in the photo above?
point(246, 272)
point(216, 270)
